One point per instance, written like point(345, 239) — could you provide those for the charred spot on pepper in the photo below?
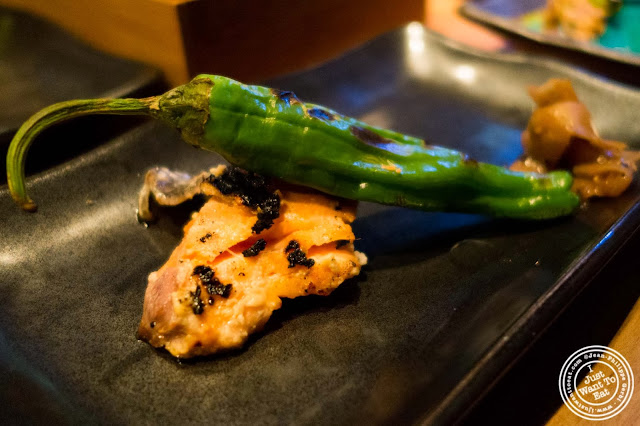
point(426, 145)
point(256, 248)
point(197, 305)
point(254, 193)
point(368, 136)
point(468, 161)
point(286, 96)
point(320, 114)
point(401, 200)
point(205, 237)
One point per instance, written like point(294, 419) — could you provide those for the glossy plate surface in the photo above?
point(620, 42)
point(41, 65)
point(446, 304)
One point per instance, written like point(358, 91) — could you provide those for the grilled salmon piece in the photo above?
point(225, 279)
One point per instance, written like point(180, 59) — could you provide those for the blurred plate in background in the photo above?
point(620, 42)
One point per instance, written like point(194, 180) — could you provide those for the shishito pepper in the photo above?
point(273, 133)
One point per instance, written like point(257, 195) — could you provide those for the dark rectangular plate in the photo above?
point(447, 302)
point(506, 15)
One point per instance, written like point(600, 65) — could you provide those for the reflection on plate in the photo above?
point(620, 42)
point(447, 303)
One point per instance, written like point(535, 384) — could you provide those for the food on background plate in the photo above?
point(251, 244)
point(579, 19)
point(273, 133)
point(608, 24)
point(560, 135)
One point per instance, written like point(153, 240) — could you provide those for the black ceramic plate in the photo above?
point(506, 15)
point(41, 65)
point(447, 302)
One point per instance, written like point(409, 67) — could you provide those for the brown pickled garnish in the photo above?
point(561, 135)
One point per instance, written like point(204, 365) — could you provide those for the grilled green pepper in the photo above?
point(273, 133)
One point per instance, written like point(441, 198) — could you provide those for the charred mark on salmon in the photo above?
point(286, 96)
point(268, 211)
point(211, 283)
point(321, 114)
point(196, 303)
point(223, 290)
point(254, 193)
point(298, 257)
point(293, 244)
point(204, 272)
point(256, 248)
point(295, 256)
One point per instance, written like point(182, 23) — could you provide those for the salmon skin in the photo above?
point(227, 275)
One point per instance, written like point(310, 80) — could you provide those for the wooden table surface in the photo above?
point(625, 342)
point(249, 40)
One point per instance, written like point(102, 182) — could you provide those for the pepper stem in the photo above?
point(17, 154)
point(185, 107)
